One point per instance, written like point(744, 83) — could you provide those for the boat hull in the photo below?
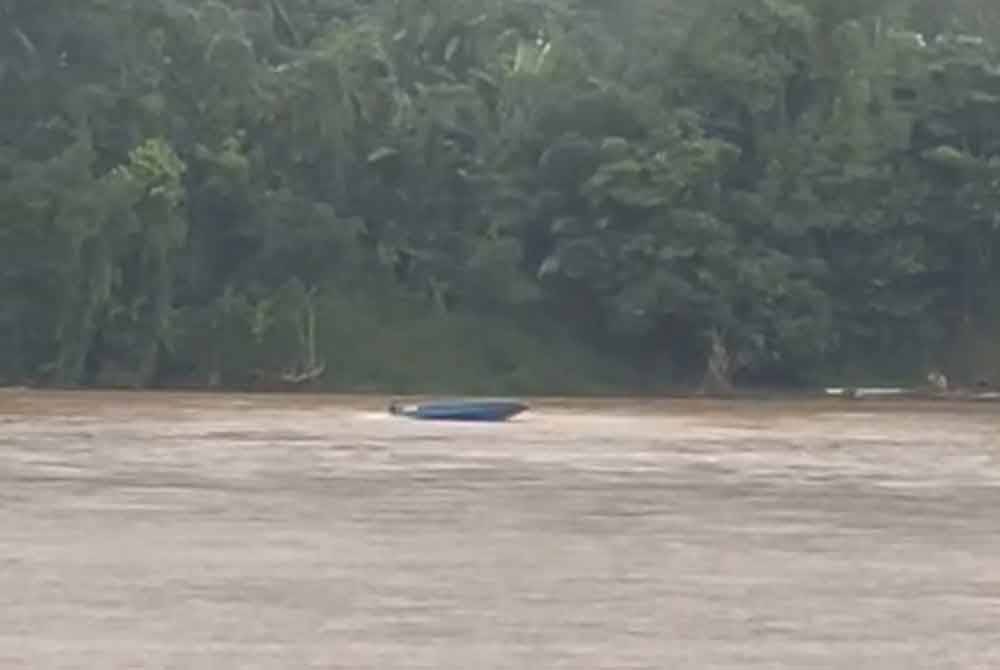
point(461, 410)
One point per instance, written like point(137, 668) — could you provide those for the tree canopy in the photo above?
point(530, 195)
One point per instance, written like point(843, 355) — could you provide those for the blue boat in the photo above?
point(460, 410)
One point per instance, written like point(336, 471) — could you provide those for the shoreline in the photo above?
point(831, 396)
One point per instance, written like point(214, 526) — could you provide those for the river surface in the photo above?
point(221, 531)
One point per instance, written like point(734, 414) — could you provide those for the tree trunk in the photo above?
point(718, 371)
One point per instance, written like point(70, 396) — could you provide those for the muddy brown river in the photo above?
point(221, 531)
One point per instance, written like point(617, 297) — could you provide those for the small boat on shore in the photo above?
point(460, 410)
point(861, 393)
point(868, 392)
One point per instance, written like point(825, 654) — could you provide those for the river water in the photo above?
point(222, 531)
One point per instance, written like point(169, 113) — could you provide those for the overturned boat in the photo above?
point(460, 410)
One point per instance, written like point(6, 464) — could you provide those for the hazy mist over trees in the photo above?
point(498, 195)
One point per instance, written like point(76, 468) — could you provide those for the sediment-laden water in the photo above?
point(216, 531)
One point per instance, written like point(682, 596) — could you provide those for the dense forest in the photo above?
point(498, 195)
